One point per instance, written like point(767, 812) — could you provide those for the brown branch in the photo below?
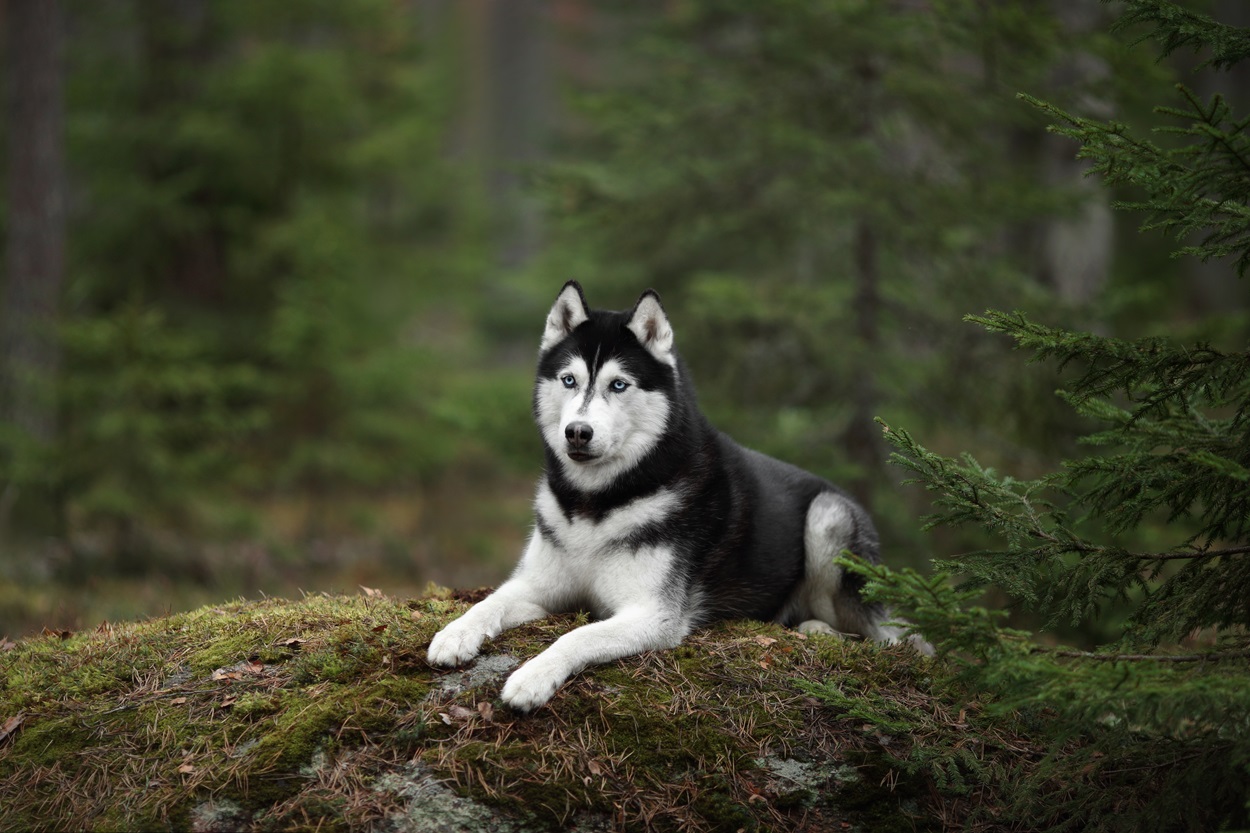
point(1089, 549)
point(1199, 554)
point(1213, 656)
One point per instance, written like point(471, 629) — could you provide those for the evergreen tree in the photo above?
point(1149, 731)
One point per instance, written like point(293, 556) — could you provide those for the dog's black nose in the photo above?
point(579, 434)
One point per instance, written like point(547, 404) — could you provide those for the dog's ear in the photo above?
point(650, 326)
point(569, 311)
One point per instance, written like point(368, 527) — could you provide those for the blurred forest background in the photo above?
point(275, 272)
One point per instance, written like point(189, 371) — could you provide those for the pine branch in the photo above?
point(1175, 27)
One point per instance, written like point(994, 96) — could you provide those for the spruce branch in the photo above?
point(1045, 562)
point(1175, 27)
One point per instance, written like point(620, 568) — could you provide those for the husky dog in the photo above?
point(652, 520)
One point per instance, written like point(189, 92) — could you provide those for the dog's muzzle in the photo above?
point(578, 435)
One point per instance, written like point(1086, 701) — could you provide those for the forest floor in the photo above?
point(322, 713)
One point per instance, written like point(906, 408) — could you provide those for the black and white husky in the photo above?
point(652, 520)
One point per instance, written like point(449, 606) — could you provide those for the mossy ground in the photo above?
point(322, 713)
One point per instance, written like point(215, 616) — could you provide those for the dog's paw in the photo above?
point(454, 645)
point(816, 626)
point(531, 685)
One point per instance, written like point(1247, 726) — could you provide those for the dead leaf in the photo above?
point(372, 592)
point(239, 670)
point(6, 645)
point(62, 634)
point(186, 769)
point(228, 701)
point(446, 718)
point(178, 701)
point(11, 726)
point(486, 710)
point(594, 768)
point(379, 628)
point(294, 643)
point(765, 640)
point(461, 713)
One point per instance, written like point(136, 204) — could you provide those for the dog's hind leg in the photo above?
point(826, 602)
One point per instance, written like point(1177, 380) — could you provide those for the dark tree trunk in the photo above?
point(35, 244)
point(862, 439)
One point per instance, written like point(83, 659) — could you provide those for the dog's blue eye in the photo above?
point(568, 380)
point(619, 385)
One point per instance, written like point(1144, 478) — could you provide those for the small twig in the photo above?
point(1212, 656)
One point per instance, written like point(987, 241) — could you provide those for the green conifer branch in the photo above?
point(1176, 27)
point(1197, 187)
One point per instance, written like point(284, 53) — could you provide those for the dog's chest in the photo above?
point(617, 531)
point(604, 561)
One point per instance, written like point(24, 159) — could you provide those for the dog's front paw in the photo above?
point(532, 685)
point(455, 644)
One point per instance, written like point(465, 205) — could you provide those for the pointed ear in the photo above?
point(569, 311)
point(650, 326)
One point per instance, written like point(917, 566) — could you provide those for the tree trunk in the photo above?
point(862, 439)
point(35, 244)
point(1077, 251)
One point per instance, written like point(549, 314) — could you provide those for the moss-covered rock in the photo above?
point(322, 713)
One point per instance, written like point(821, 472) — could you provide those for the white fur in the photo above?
point(626, 425)
point(583, 535)
point(818, 603)
point(586, 569)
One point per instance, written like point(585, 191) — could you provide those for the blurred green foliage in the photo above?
point(265, 234)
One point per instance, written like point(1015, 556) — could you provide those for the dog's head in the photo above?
point(603, 395)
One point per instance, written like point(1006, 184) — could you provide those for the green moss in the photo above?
point(52, 743)
point(722, 813)
point(315, 700)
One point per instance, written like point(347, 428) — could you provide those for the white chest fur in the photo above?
point(583, 561)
